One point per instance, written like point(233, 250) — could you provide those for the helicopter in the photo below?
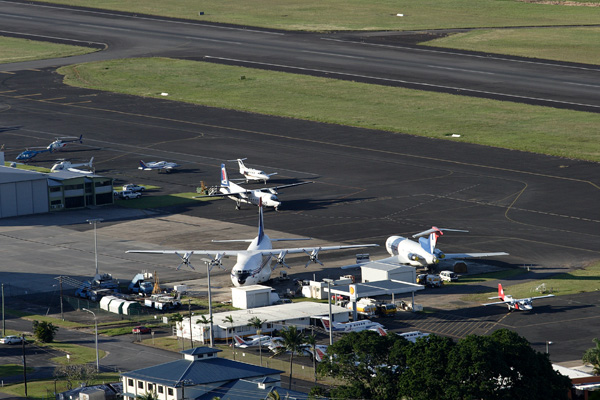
point(59, 143)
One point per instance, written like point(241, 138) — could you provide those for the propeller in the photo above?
point(215, 262)
point(185, 260)
point(281, 259)
point(313, 257)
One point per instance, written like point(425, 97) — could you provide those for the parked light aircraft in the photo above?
point(158, 165)
point(59, 143)
point(29, 154)
point(268, 196)
point(354, 326)
point(254, 341)
point(68, 166)
point(413, 336)
point(423, 253)
point(252, 174)
point(253, 265)
point(515, 304)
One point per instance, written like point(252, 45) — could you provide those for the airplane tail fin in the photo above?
point(238, 340)
point(500, 291)
point(90, 163)
point(241, 163)
point(224, 179)
point(261, 224)
point(428, 243)
point(81, 138)
point(325, 323)
point(320, 356)
point(381, 331)
point(143, 165)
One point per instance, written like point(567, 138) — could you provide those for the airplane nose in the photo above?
point(241, 281)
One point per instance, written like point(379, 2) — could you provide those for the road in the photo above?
point(357, 57)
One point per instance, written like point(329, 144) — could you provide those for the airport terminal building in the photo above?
point(24, 192)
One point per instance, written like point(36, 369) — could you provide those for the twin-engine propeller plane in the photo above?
point(158, 166)
point(253, 265)
point(515, 304)
point(59, 143)
point(252, 174)
point(266, 196)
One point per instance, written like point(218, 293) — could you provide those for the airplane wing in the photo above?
point(473, 255)
point(296, 250)
point(208, 253)
point(497, 302)
point(276, 188)
point(542, 297)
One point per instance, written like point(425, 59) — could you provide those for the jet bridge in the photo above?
point(378, 288)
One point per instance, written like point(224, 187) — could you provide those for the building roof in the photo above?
point(201, 350)
point(11, 175)
point(274, 314)
point(200, 372)
point(387, 264)
point(378, 288)
point(245, 389)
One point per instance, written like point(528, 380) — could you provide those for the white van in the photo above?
point(448, 276)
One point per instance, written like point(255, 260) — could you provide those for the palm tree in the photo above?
point(257, 324)
point(592, 356)
point(147, 396)
point(229, 319)
point(204, 321)
point(311, 340)
point(292, 340)
point(273, 395)
point(178, 319)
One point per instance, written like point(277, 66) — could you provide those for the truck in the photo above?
point(386, 309)
point(429, 280)
point(364, 306)
point(162, 302)
point(140, 284)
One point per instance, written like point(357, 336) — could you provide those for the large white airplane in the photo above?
point(59, 143)
point(252, 174)
point(69, 166)
point(515, 304)
point(268, 196)
point(354, 326)
point(424, 252)
point(253, 265)
point(158, 165)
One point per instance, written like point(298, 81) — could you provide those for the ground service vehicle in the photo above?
point(128, 194)
point(429, 280)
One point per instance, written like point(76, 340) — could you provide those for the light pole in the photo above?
point(96, 325)
point(329, 302)
point(95, 222)
point(209, 267)
point(548, 343)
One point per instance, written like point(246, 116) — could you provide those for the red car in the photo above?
point(141, 329)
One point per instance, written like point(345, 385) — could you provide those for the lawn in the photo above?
point(536, 129)
point(578, 281)
point(42, 389)
point(340, 15)
point(18, 50)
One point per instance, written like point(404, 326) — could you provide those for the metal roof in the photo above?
point(199, 372)
point(11, 175)
point(377, 288)
point(387, 264)
point(244, 389)
point(272, 314)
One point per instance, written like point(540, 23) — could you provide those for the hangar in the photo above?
point(24, 192)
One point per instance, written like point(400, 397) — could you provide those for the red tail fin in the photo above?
point(500, 291)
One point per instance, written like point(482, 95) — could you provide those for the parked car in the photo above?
point(128, 194)
point(12, 339)
point(133, 187)
point(448, 276)
point(141, 329)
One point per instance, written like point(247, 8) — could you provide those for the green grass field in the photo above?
point(578, 281)
point(18, 50)
point(508, 125)
point(338, 15)
point(562, 44)
point(42, 389)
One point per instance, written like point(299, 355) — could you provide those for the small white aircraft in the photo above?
point(255, 341)
point(68, 166)
point(268, 196)
point(158, 165)
point(252, 174)
point(354, 326)
point(253, 265)
point(413, 336)
point(515, 304)
point(59, 143)
point(424, 253)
